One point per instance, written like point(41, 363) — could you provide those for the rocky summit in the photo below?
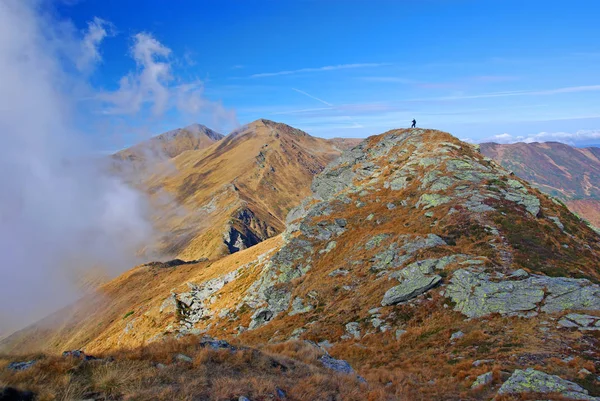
point(418, 268)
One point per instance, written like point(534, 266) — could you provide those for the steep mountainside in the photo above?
point(427, 266)
point(236, 192)
point(568, 173)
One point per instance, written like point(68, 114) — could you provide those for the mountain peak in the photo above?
point(171, 143)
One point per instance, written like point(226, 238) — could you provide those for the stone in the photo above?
point(341, 222)
point(337, 365)
point(353, 329)
point(581, 322)
point(558, 223)
point(183, 358)
point(297, 333)
point(242, 398)
point(209, 342)
point(338, 272)
point(409, 288)
point(79, 355)
point(519, 274)
point(480, 362)
point(483, 380)
point(432, 200)
point(169, 304)
point(376, 240)
point(21, 365)
point(399, 333)
point(398, 183)
point(298, 307)
point(475, 295)
point(457, 335)
point(330, 247)
point(534, 381)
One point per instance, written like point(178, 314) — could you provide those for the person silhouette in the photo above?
point(414, 123)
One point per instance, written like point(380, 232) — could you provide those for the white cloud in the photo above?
point(148, 84)
point(319, 69)
point(60, 211)
point(153, 84)
point(98, 29)
point(579, 137)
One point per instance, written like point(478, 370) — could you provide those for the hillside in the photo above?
point(170, 144)
point(565, 172)
point(429, 268)
point(234, 193)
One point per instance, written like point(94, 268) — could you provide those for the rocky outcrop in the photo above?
point(580, 322)
point(192, 306)
point(533, 381)
point(410, 288)
point(401, 251)
point(476, 294)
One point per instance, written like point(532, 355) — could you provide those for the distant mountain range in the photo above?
point(565, 172)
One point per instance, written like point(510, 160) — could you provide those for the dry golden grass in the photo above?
point(213, 375)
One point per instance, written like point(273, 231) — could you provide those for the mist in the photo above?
point(62, 215)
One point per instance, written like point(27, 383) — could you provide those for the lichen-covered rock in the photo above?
point(476, 295)
point(483, 380)
point(398, 253)
point(581, 322)
point(410, 288)
point(457, 336)
point(298, 307)
point(428, 201)
point(353, 330)
point(533, 381)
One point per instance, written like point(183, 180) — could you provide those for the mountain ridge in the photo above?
point(415, 258)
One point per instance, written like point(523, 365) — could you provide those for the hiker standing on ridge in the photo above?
point(414, 123)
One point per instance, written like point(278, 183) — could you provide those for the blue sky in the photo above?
point(503, 69)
